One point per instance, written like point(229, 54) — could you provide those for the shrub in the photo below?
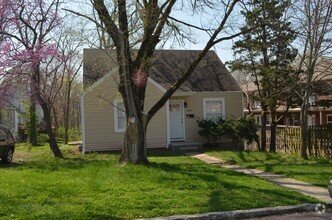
point(73, 134)
point(237, 129)
point(241, 129)
point(210, 129)
point(42, 139)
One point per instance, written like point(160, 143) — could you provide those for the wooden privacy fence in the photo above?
point(288, 140)
point(320, 141)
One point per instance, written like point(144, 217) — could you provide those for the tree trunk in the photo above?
point(56, 122)
point(47, 112)
point(66, 122)
point(134, 147)
point(263, 131)
point(304, 129)
point(273, 135)
point(32, 117)
point(53, 144)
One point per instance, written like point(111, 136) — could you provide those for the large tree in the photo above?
point(313, 20)
point(266, 53)
point(26, 29)
point(153, 18)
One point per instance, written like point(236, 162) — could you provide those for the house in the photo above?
point(8, 117)
point(320, 110)
point(12, 115)
point(13, 112)
point(209, 92)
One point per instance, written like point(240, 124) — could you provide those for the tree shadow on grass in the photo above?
point(55, 164)
point(234, 191)
point(75, 161)
point(11, 165)
point(292, 166)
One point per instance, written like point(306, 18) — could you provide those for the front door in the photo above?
point(176, 120)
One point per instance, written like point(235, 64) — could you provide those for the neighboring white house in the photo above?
point(12, 113)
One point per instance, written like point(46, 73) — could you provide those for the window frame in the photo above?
point(258, 119)
point(205, 100)
point(116, 117)
point(327, 119)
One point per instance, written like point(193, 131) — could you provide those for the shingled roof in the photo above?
point(167, 67)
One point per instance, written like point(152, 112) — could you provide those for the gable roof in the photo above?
point(167, 67)
point(323, 70)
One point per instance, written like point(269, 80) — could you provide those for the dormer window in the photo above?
point(257, 104)
point(312, 100)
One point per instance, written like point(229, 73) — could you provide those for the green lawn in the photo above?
point(93, 186)
point(314, 171)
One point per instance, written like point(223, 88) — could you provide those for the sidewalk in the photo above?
point(302, 187)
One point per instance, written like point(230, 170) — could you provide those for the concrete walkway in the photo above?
point(302, 187)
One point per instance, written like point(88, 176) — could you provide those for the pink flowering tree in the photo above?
point(26, 44)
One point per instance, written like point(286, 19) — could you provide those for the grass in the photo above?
point(93, 186)
point(314, 171)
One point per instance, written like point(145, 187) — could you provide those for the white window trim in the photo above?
point(12, 116)
point(312, 120)
point(223, 114)
point(116, 118)
point(327, 118)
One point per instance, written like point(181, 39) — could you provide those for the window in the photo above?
point(312, 100)
point(11, 116)
point(257, 104)
point(329, 119)
point(258, 119)
point(119, 116)
point(214, 108)
point(311, 120)
point(293, 120)
point(268, 119)
point(8, 115)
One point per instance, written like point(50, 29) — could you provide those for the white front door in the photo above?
point(176, 120)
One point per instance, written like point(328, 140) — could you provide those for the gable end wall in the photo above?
point(100, 132)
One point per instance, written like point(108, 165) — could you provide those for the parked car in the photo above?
point(7, 145)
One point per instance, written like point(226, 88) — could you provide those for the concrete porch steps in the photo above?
point(186, 146)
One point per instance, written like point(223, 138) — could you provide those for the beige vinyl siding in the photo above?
point(233, 109)
point(157, 128)
point(100, 132)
